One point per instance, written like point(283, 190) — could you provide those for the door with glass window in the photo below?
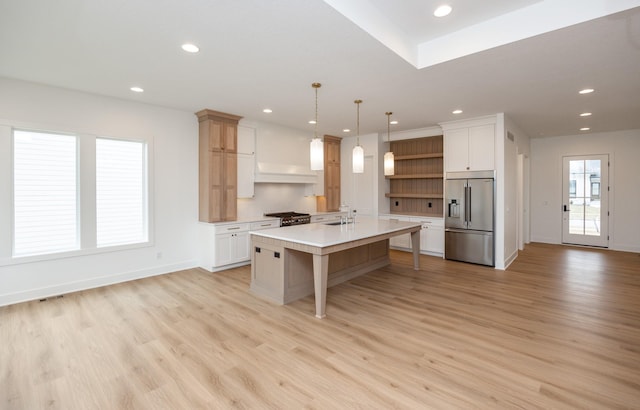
point(585, 190)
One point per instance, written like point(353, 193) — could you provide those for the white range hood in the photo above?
point(276, 172)
point(282, 156)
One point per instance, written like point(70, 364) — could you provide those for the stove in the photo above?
point(291, 218)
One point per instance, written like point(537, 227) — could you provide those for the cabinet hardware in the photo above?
point(276, 255)
point(233, 229)
point(257, 250)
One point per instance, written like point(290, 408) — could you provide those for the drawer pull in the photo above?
point(276, 255)
point(257, 250)
point(233, 229)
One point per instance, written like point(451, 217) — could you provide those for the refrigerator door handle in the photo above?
point(469, 206)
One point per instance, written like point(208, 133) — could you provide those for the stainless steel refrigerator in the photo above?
point(469, 217)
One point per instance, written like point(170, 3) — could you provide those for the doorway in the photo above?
point(585, 199)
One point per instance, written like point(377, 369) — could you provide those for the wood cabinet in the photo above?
point(470, 148)
point(417, 186)
point(218, 166)
point(330, 201)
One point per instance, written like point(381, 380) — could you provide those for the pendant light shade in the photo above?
point(358, 160)
point(389, 166)
point(358, 152)
point(317, 154)
point(316, 149)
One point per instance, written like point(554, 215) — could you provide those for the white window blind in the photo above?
point(121, 192)
point(45, 193)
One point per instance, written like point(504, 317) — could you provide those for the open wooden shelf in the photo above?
point(416, 176)
point(418, 156)
point(408, 195)
point(417, 186)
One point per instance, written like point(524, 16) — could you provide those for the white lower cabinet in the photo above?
point(227, 245)
point(327, 217)
point(231, 248)
point(431, 234)
point(401, 241)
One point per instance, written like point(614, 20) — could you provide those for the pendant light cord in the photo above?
point(358, 121)
point(315, 128)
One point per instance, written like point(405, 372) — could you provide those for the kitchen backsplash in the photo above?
point(276, 198)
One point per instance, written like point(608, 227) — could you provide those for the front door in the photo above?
point(585, 190)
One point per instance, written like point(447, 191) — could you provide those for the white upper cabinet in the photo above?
point(469, 148)
point(246, 161)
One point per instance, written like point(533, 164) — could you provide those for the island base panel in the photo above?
point(283, 275)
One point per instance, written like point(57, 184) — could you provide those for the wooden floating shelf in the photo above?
point(418, 156)
point(416, 176)
point(419, 196)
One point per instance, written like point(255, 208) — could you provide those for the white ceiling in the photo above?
point(257, 54)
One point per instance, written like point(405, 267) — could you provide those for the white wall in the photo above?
point(349, 180)
point(175, 187)
point(623, 148)
point(512, 186)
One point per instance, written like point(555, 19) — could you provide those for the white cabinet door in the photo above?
point(246, 161)
point(470, 149)
point(223, 249)
point(240, 247)
point(246, 175)
point(456, 150)
point(482, 147)
point(431, 235)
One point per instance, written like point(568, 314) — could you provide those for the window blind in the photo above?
point(45, 193)
point(121, 192)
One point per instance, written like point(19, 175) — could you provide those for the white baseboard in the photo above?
point(63, 288)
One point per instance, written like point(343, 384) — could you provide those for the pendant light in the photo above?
point(358, 152)
point(316, 150)
point(388, 156)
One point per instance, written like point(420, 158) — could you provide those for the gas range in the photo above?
point(291, 218)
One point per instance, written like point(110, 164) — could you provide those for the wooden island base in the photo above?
point(283, 275)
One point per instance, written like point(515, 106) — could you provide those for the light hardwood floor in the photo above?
point(559, 329)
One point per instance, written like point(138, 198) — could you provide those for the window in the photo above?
point(71, 195)
point(121, 192)
point(45, 179)
point(572, 188)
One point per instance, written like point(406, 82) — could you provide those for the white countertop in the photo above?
point(322, 235)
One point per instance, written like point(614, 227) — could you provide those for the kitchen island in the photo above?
point(292, 262)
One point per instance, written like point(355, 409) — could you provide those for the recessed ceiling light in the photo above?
point(442, 11)
point(190, 48)
point(136, 89)
point(585, 114)
point(312, 121)
point(585, 129)
point(346, 130)
point(456, 112)
point(267, 110)
point(586, 91)
point(394, 122)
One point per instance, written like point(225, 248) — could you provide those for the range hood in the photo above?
point(271, 172)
